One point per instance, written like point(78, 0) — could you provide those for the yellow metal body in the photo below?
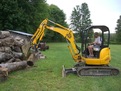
point(68, 34)
point(103, 59)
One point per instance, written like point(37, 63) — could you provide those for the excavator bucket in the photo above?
point(26, 48)
point(30, 54)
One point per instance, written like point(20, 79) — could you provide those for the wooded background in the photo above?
point(26, 15)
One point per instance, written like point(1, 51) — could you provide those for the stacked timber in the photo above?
point(11, 55)
point(10, 48)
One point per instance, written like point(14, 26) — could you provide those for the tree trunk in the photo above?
point(16, 65)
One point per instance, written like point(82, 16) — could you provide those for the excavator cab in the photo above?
point(99, 64)
point(101, 54)
point(104, 38)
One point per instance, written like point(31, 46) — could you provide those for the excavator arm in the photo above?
point(65, 32)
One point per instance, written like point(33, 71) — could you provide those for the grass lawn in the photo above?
point(46, 74)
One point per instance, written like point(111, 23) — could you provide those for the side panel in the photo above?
point(104, 58)
point(105, 55)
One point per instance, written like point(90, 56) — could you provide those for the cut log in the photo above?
point(4, 34)
point(16, 65)
point(9, 41)
point(16, 48)
point(5, 49)
point(11, 60)
point(3, 74)
point(18, 55)
point(19, 41)
point(5, 56)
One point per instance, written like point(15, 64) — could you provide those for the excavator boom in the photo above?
point(65, 32)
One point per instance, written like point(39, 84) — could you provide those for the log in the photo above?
point(19, 41)
point(3, 74)
point(11, 60)
point(4, 34)
point(16, 65)
point(5, 49)
point(9, 41)
point(5, 56)
point(16, 48)
point(18, 55)
point(18, 60)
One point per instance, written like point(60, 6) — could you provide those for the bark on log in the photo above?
point(11, 60)
point(4, 34)
point(16, 48)
point(9, 41)
point(5, 56)
point(5, 49)
point(17, 60)
point(18, 55)
point(3, 74)
point(16, 65)
point(19, 41)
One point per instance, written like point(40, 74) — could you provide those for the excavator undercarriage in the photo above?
point(86, 70)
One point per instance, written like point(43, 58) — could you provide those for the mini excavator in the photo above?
point(85, 66)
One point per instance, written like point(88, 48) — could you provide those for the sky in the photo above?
point(103, 12)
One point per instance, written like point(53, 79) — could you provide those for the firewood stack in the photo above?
point(11, 55)
point(10, 48)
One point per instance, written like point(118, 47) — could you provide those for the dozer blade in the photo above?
point(97, 71)
point(65, 72)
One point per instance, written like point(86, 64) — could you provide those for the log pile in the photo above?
point(11, 55)
point(10, 48)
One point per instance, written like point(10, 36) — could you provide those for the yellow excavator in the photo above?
point(85, 66)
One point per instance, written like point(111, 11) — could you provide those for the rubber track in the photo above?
point(97, 71)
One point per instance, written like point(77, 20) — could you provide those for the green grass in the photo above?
point(46, 74)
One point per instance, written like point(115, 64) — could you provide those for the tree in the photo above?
point(57, 15)
point(9, 14)
point(118, 30)
point(22, 15)
point(33, 13)
point(76, 19)
point(80, 19)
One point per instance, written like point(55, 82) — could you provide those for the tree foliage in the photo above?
point(76, 19)
point(118, 30)
point(9, 14)
point(23, 15)
point(80, 19)
point(26, 15)
point(57, 15)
